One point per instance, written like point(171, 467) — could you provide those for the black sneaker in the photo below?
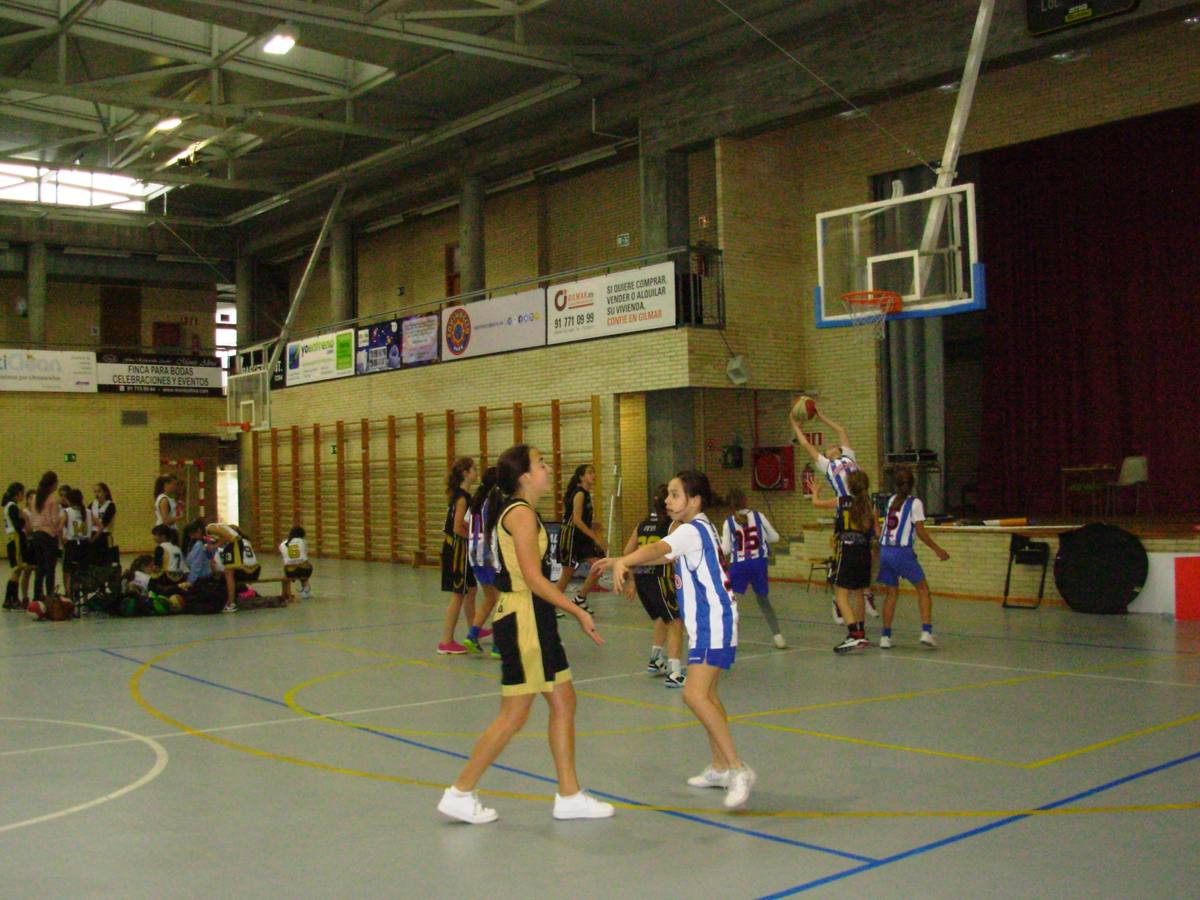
point(582, 603)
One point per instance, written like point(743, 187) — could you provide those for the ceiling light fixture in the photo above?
point(950, 87)
point(1192, 21)
point(282, 40)
point(169, 124)
point(857, 113)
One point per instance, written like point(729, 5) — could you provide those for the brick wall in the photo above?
point(40, 428)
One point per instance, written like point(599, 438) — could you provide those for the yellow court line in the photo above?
point(1071, 754)
point(886, 746)
point(136, 693)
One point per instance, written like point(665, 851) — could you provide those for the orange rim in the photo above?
point(887, 302)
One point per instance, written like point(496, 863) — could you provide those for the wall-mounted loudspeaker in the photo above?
point(737, 370)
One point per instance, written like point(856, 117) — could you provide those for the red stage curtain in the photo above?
point(1092, 330)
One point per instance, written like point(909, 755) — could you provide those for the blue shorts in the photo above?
point(899, 562)
point(484, 575)
point(752, 572)
point(722, 659)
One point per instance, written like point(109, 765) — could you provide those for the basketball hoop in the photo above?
point(870, 309)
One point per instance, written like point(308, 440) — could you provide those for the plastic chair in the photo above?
point(1024, 552)
point(1135, 474)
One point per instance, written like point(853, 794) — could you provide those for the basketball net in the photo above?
point(869, 310)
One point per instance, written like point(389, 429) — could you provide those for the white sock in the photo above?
point(673, 666)
point(655, 651)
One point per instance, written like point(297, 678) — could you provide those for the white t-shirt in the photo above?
point(294, 551)
point(96, 524)
point(172, 563)
point(171, 507)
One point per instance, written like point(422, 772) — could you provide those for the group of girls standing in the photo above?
point(47, 522)
point(533, 660)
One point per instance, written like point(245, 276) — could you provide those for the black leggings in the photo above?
point(45, 557)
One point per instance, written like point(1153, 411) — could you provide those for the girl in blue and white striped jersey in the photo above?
point(710, 616)
point(744, 541)
point(905, 519)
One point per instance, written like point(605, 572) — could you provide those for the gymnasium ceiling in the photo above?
point(398, 98)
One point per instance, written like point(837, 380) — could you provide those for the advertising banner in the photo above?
point(320, 357)
point(419, 339)
point(377, 348)
point(57, 371)
point(497, 325)
point(181, 376)
point(607, 305)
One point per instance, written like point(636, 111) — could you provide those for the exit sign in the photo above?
point(68, 457)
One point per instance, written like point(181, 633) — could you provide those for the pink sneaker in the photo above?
point(454, 648)
point(485, 632)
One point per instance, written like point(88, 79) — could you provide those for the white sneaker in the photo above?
point(740, 782)
point(837, 616)
point(885, 642)
point(582, 603)
point(927, 640)
point(465, 807)
point(674, 680)
point(710, 778)
point(869, 602)
point(780, 642)
point(581, 806)
point(229, 607)
point(306, 594)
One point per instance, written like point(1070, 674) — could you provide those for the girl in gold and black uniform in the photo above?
point(578, 541)
point(17, 545)
point(457, 579)
point(525, 631)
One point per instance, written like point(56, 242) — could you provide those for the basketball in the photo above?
point(36, 609)
point(804, 409)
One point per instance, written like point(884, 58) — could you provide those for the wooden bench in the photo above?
point(285, 587)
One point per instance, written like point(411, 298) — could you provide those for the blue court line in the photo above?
point(982, 829)
point(749, 832)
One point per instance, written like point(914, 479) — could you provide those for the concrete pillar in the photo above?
point(341, 273)
point(665, 218)
point(244, 278)
point(470, 235)
point(35, 291)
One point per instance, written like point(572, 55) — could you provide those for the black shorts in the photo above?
point(456, 575)
point(246, 576)
point(657, 595)
point(575, 547)
point(76, 555)
point(852, 569)
point(532, 658)
point(303, 571)
point(18, 551)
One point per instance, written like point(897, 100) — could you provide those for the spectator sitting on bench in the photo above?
point(237, 559)
point(295, 560)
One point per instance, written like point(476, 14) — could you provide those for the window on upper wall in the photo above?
point(226, 337)
point(75, 187)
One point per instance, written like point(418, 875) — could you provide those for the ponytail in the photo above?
point(737, 500)
point(44, 489)
point(458, 471)
point(485, 488)
point(660, 500)
point(862, 516)
point(512, 464)
point(13, 489)
point(903, 481)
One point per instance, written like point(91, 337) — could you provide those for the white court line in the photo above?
point(954, 662)
point(160, 763)
point(292, 720)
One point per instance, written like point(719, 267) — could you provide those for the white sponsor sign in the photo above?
point(607, 305)
point(419, 339)
point(151, 374)
point(57, 371)
point(497, 325)
point(320, 357)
